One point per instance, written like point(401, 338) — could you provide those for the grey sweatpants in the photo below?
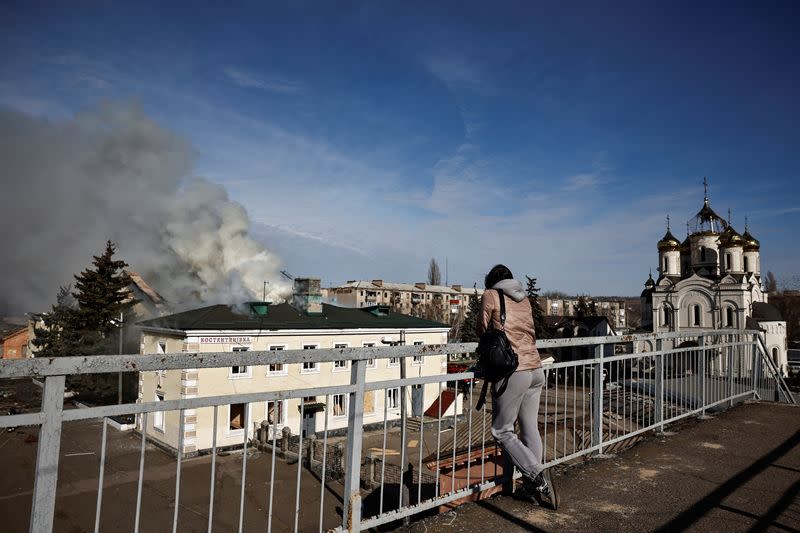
point(520, 401)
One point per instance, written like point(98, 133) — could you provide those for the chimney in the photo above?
point(457, 288)
point(377, 282)
point(307, 296)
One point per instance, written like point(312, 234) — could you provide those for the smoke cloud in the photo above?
point(114, 173)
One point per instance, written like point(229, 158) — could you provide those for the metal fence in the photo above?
point(397, 467)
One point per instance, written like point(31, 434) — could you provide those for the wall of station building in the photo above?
point(199, 423)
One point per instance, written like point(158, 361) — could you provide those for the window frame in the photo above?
point(237, 432)
point(371, 363)
point(247, 374)
point(280, 423)
point(159, 416)
point(315, 369)
point(417, 360)
point(344, 405)
point(393, 400)
point(284, 371)
point(346, 367)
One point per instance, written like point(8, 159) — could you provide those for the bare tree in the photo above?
point(434, 273)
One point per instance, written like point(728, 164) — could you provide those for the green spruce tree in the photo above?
point(102, 294)
point(469, 330)
point(539, 324)
point(55, 332)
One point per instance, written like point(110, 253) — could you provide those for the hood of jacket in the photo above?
point(511, 288)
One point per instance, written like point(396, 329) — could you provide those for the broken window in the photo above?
point(393, 398)
point(339, 405)
point(236, 416)
point(276, 413)
point(158, 416)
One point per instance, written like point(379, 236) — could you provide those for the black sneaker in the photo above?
point(528, 491)
point(546, 493)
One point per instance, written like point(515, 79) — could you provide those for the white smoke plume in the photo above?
point(114, 173)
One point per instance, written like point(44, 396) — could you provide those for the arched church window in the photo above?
point(702, 253)
point(666, 268)
point(747, 264)
point(667, 316)
point(695, 315)
point(727, 261)
point(775, 356)
point(729, 317)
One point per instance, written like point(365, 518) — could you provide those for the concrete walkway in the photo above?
point(739, 471)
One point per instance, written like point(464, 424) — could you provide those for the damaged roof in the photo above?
point(284, 316)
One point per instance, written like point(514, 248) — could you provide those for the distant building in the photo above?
point(568, 327)
point(305, 323)
point(16, 342)
point(612, 308)
point(711, 280)
point(419, 299)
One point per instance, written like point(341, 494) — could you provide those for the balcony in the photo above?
point(82, 473)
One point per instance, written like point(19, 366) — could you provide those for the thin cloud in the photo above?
point(456, 71)
point(582, 181)
point(775, 212)
point(272, 84)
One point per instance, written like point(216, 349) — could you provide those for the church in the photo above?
point(711, 280)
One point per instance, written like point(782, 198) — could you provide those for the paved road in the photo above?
point(739, 471)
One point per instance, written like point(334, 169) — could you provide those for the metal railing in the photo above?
point(397, 465)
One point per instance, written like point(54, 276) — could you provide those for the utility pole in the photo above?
point(119, 377)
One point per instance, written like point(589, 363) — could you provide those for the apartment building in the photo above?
point(419, 299)
point(303, 324)
point(613, 309)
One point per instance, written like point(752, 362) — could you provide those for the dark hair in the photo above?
point(497, 273)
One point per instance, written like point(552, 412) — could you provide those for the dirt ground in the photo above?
point(78, 487)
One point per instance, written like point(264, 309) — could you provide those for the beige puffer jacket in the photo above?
point(519, 321)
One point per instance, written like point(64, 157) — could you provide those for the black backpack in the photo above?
point(496, 358)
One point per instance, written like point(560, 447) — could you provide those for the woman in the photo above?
point(520, 399)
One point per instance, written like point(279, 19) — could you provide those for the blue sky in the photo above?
point(366, 138)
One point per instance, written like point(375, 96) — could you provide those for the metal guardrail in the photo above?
point(588, 406)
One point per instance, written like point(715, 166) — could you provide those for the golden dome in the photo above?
point(669, 243)
point(751, 244)
point(730, 237)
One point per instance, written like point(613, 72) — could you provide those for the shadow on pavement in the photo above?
point(715, 498)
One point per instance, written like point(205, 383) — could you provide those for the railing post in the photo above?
point(45, 482)
point(355, 430)
point(701, 367)
point(730, 374)
point(756, 366)
point(659, 386)
point(404, 463)
point(597, 404)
